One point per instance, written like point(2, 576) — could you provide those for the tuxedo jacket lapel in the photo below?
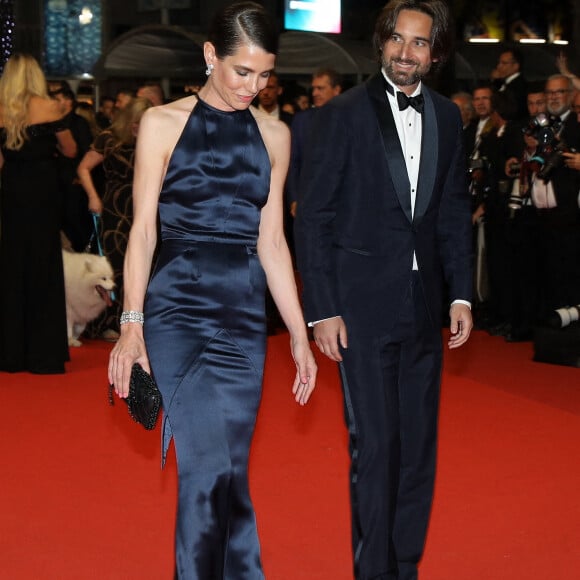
point(396, 161)
point(429, 156)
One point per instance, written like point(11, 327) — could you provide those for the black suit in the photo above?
point(523, 244)
point(517, 92)
point(470, 132)
point(355, 239)
point(300, 129)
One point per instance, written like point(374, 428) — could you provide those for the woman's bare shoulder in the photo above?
point(174, 111)
point(164, 124)
point(170, 117)
point(43, 110)
point(273, 130)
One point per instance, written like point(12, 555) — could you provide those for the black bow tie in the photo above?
point(416, 102)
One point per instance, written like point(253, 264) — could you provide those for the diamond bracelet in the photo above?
point(131, 316)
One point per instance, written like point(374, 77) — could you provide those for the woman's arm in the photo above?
point(277, 263)
point(66, 143)
point(87, 164)
point(154, 143)
point(41, 110)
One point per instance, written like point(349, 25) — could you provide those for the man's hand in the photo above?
point(329, 336)
point(461, 324)
point(508, 165)
point(572, 160)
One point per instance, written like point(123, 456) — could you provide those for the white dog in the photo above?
point(88, 281)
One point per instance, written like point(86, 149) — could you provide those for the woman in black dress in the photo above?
point(114, 148)
point(215, 171)
point(33, 334)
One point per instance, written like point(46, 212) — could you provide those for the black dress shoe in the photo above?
point(519, 336)
point(502, 329)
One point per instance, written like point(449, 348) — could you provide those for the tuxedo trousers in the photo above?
point(391, 394)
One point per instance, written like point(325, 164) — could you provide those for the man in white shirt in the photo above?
point(482, 123)
point(554, 193)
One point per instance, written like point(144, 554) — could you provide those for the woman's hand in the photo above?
point(306, 371)
point(95, 205)
point(129, 349)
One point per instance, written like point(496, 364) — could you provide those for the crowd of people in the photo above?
point(522, 143)
point(409, 210)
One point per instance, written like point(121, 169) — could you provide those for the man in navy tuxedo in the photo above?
point(383, 219)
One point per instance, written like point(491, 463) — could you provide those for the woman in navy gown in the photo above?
point(215, 170)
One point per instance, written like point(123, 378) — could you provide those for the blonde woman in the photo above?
point(114, 148)
point(33, 334)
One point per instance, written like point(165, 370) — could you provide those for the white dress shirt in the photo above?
point(410, 130)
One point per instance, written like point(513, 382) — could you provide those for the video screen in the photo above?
point(312, 15)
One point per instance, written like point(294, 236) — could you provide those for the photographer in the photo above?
point(482, 122)
point(554, 193)
point(473, 135)
point(522, 233)
point(492, 148)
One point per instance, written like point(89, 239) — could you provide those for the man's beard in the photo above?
point(404, 78)
point(557, 111)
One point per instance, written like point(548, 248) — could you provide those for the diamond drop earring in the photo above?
point(209, 69)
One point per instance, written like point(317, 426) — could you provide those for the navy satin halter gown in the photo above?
point(205, 333)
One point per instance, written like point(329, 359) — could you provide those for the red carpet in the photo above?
point(82, 496)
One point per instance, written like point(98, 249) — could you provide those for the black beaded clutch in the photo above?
point(144, 400)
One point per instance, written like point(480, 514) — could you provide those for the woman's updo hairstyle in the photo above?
point(242, 23)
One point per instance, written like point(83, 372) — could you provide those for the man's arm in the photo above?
point(455, 243)
point(323, 162)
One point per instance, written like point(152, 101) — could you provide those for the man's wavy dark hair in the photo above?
point(442, 32)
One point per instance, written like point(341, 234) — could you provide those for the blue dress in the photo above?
point(205, 333)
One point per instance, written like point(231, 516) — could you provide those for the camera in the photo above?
point(521, 172)
point(477, 163)
point(515, 200)
point(563, 317)
point(478, 169)
point(546, 130)
point(514, 169)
